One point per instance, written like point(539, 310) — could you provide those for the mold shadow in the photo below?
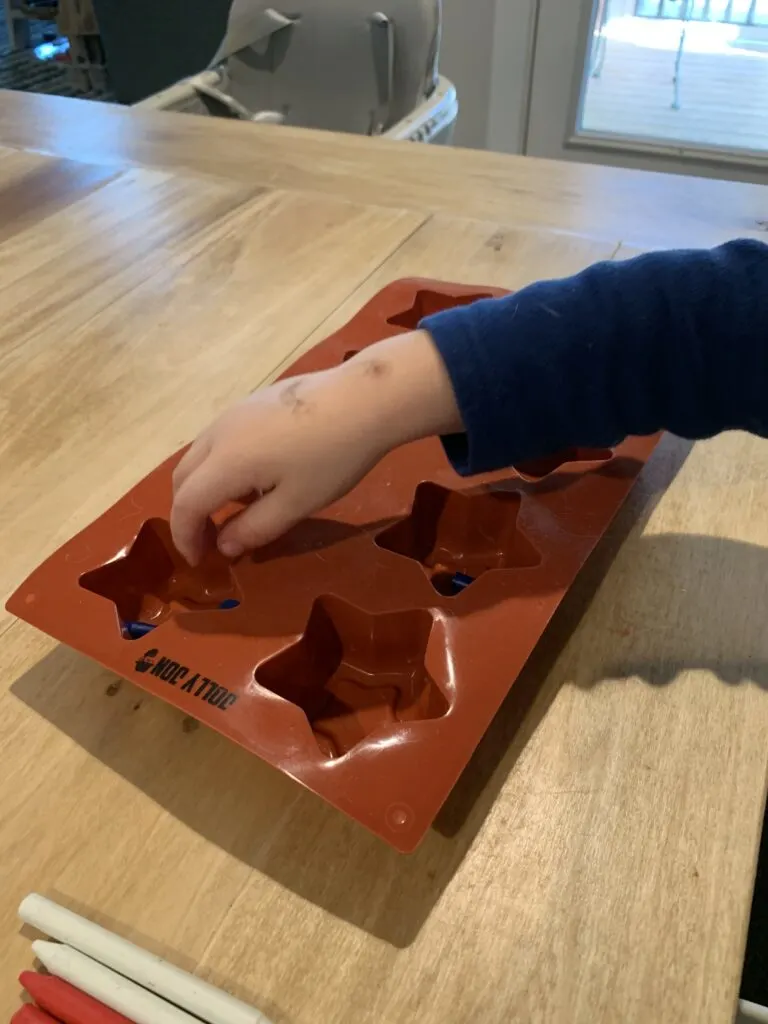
point(294, 838)
point(537, 685)
point(695, 621)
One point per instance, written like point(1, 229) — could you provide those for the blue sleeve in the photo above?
point(670, 340)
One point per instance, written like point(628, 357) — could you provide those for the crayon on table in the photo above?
point(115, 991)
point(31, 1015)
point(152, 972)
point(66, 1003)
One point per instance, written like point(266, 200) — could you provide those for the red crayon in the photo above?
point(67, 1003)
point(31, 1015)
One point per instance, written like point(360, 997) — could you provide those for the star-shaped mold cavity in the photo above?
point(151, 581)
point(537, 469)
point(354, 674)
point(457, 536)
point(427, 303)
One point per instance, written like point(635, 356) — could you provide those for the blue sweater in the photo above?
point(670, 340)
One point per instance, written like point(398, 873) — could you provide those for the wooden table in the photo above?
point(595, 862)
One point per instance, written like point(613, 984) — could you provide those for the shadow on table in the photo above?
point(269, 823)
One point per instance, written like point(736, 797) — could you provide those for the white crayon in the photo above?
point(112, 989)
point(151, 972)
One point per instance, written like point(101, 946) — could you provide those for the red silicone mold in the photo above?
point(366, 652)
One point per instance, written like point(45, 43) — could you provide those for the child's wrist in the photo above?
point(402, 390)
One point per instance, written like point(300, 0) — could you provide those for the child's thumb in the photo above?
point(266, 519)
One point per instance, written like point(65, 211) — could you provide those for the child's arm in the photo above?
point(671, 340)
point(674, 340)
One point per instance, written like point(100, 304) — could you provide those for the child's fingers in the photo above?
point(204, 491)
point(268, 518)
point(195, 456)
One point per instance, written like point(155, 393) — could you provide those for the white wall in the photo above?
point(466, 60)
point(487, 47)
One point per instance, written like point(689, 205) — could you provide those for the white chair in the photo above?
point(363, 66)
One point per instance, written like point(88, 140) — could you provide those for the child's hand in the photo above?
point(308, 440)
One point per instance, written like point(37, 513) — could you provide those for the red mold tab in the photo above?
point(366, 652)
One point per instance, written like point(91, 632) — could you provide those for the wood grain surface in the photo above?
point(640, 209)
point(595, 862)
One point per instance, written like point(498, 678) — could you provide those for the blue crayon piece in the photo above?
point(461, 581)
point(136, 630)
point(229, 603)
